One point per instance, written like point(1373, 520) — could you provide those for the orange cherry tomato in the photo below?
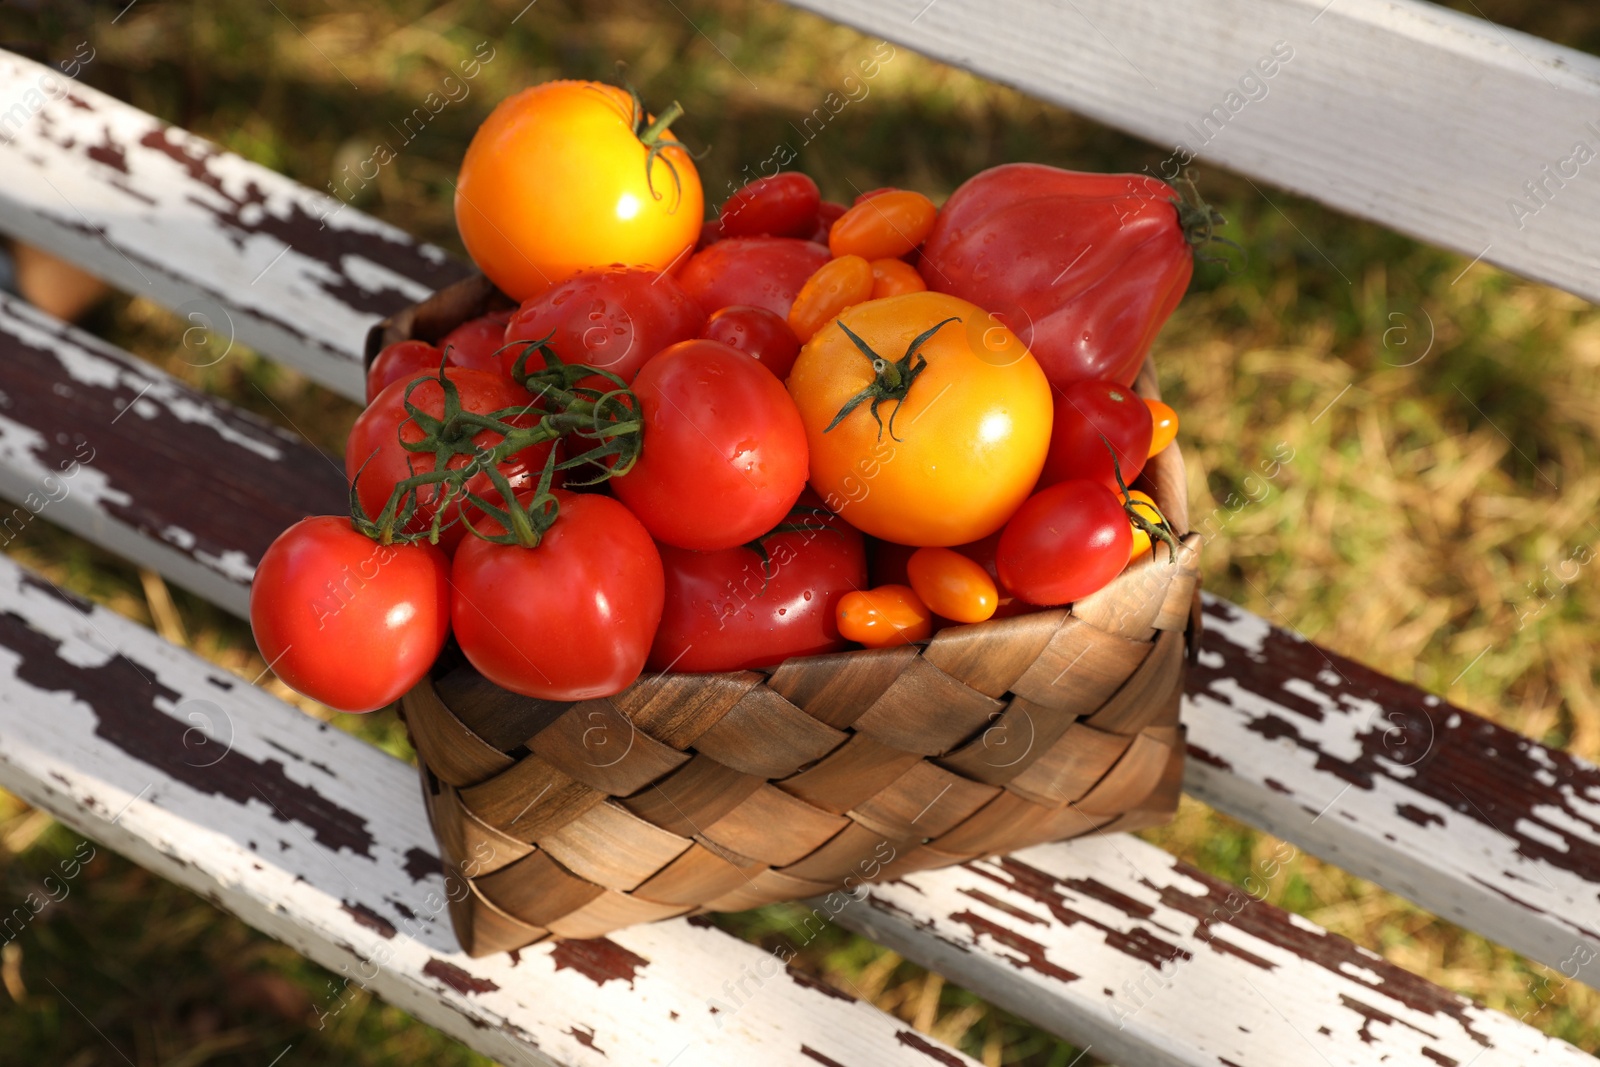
point(1166, 425)
point(1146, 506)
point(887, 226)
point(838, 284)
point(952, 585)
point(885, 616)
point(891, 277)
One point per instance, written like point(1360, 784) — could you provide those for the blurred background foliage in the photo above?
point(1417, 528)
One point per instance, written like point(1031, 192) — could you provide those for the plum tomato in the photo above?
point(724, 452)
point(735, 609)
point(571, 619)
point(613, 319)
point(838, 284)
point(888, 564)
point(952, 585)
point(403, 359)
point(761, 271)
point(758, 333)
point(886, 225)
point(1064, 543)
point(346, 620)
point(782, 205)
point(1092, 419)
point(882, 617)
point(476, 343)
point(1165, 421)
point(891, 277)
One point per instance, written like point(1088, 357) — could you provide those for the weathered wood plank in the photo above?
point(1428, 121)
point(321, 841)
point(231, 245)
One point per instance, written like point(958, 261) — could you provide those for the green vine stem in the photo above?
point(1157, 531)
point(891, 380)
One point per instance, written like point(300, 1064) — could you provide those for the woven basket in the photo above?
point(719, 792)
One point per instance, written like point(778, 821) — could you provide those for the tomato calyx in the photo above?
point(893, 380)
point(652, 136)
point(1199, 219)
point(1160, 530)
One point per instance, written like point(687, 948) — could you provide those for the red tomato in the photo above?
point(728, 610)
point(345, 620)
point(612, 319)
point(1064, 543)
point(476, 342)
point(724, 455)
point(758, 333)
point(761, 271)
point(783, 205)
point(375, 443)
point(1084, 268)
point(403, 359)
point(569, 620)
point(1088, 416)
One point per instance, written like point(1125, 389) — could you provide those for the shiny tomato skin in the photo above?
point(1165, 422)
point(952, 585)
point(345, 620)
point(1064, 543)
point(892, 277)
point(403, 359)
point(615, 319)
point(1089, 416)
point(758, 333)
point(884, 617)
point(1084, 268)
point(782, 205)
point(886, 225)
point(761, 271)
point(838, 284)
point(729, 611)
point(571, 619)
point(889, 564)
point(476, 342)
point(724, 451)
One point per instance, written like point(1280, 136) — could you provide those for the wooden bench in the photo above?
point(320, 840)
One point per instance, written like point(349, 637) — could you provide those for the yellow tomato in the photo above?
point(1145, 505)
point(947, 425)
point(571, 175)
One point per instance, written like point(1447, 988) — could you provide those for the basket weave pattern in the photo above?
point(720, 792)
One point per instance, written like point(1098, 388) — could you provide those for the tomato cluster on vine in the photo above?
point(795, 428)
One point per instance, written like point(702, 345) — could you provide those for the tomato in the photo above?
point(374, 450)
point(889, 564)
point(891, 277)
point(403, 359)
point(758, 333)
point(1145, 505)
point(559, 179)
point(783, 205)
point(827, 215)
point(1089, 416)
point(1083, 267)
point(724, 452)
point(476, 343)
point(345, 620)
point(1165, 425)
point(838, 284)
point(571, 619)
point(882, 617)
point(763, 272)
point(886, 225)
point(612, 319)
point(862, 198)
point(952, 585)
point(1064, 543)
point(952, 460)
point(731, 610)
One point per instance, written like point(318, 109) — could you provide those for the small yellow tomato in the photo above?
point(1166, 425)
point(952, 585)
point(885, 616)
point(1145, 505)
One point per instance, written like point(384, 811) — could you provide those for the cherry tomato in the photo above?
point(888, 564)
point(837, 284)
point(1165, 425)
point(885, 616)
point(1146, 506)
point(345, 620)
point(783, 205)
point(827, 215)
point(1089, 416)
point(1064, 543)
point(886, 225)
point(559, 179)
point(952, 460)
point(724, 454)
point(403, 359)
point(891, 277)
point(571, 619)
point(760, 271)
point(374, 450)
point(731, 610)
point(952, 585)
point(758, 333)
point(612, 319)
point(476, 342)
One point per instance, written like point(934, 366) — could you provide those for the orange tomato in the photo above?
point(885, 616)
point(886, 226)
point(952, 585)
point(891, 277)
point(571, 175)
point(939, 439)
point(837, 284)
point(1146, 506)
point(1166, 425)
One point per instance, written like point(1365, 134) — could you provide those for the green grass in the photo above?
point(1422, 504)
